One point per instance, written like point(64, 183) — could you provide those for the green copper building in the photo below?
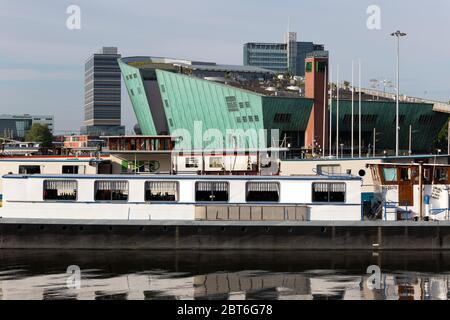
point(169, 95)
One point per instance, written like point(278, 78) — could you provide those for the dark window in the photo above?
point(170, 122)
point(241, 105)
point(231, 103)
point(70, 169)
point(211, 191)
point(247, 104)
point(321, 66)
point(29, 169)
point(161, 191)
point(132, 92)
point(163, 89)
point(238, 120)
point(191, 163)
point(135, 75)
point(262, 192)
point(111, 190)
point(282, 117)
point(250, 118)
point(60, 190)
point(308, 67)
point(256, 118)
point(166, 103)
point(244, 119)
point(441, 175)
point(328, 192)
point(365, 118)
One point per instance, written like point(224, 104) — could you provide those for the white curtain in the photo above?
point(63, 186)
point(169, 187)
point(111, 185)
point(263, 186)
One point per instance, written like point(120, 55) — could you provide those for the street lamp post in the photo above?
point(397, 34)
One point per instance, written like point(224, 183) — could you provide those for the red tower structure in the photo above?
point(316, 87)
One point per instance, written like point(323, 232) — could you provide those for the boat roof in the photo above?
point(384, 158)
point(179, 177)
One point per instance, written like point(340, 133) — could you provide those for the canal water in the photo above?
point(236, 275)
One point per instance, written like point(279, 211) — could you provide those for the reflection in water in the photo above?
point(237, 275)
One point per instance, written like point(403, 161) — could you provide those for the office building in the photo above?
point(16, 126)
point(102, 85)
point(288, 56)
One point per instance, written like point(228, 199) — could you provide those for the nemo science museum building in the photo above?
point(169, 95)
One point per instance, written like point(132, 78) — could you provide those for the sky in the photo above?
point(42, 61)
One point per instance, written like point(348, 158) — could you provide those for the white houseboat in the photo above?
point(416, 191)
point(175, 197)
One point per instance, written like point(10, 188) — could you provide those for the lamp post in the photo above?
point(397, 34)
point(411, 131)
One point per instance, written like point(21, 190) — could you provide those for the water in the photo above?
point(307, 275)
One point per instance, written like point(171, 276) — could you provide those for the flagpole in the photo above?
point(330, 150)
point(337, 111)
point(324, 112)
point(353, 107)
point(359, 109)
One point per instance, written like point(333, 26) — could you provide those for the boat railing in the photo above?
point(331, 175)
point(436, 211)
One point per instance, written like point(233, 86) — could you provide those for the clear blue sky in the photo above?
point(42, 62)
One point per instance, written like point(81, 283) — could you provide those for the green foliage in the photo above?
point(40, 133)
point(441, 139)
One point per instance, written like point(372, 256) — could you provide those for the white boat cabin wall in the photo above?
point(166, 197)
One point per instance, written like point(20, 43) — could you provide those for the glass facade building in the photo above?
point(102, 94)
point(280, 57)
point(17, 126)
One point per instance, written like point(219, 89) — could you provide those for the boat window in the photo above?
point(328, 169)
point(29, 169)
point(161, 190)
point(60, 190)
point(390, 174)
point(215, 162)
point(441, 175)
point(191, 162)
point(211, 191)
point(328, 192)
point(70, 169)
point(405, 174)
point(262, 192)
point(106, 190)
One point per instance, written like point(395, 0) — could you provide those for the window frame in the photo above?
point(111, 190)
point(228, 191)
point(177, 191)
point(59, 200)
point(26, 165)
point(274, 182)
point(328, 201)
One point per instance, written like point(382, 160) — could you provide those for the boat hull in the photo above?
point(226, 235)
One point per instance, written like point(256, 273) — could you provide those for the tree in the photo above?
point(40, 133)
point(441, 140)
point(346, 85)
